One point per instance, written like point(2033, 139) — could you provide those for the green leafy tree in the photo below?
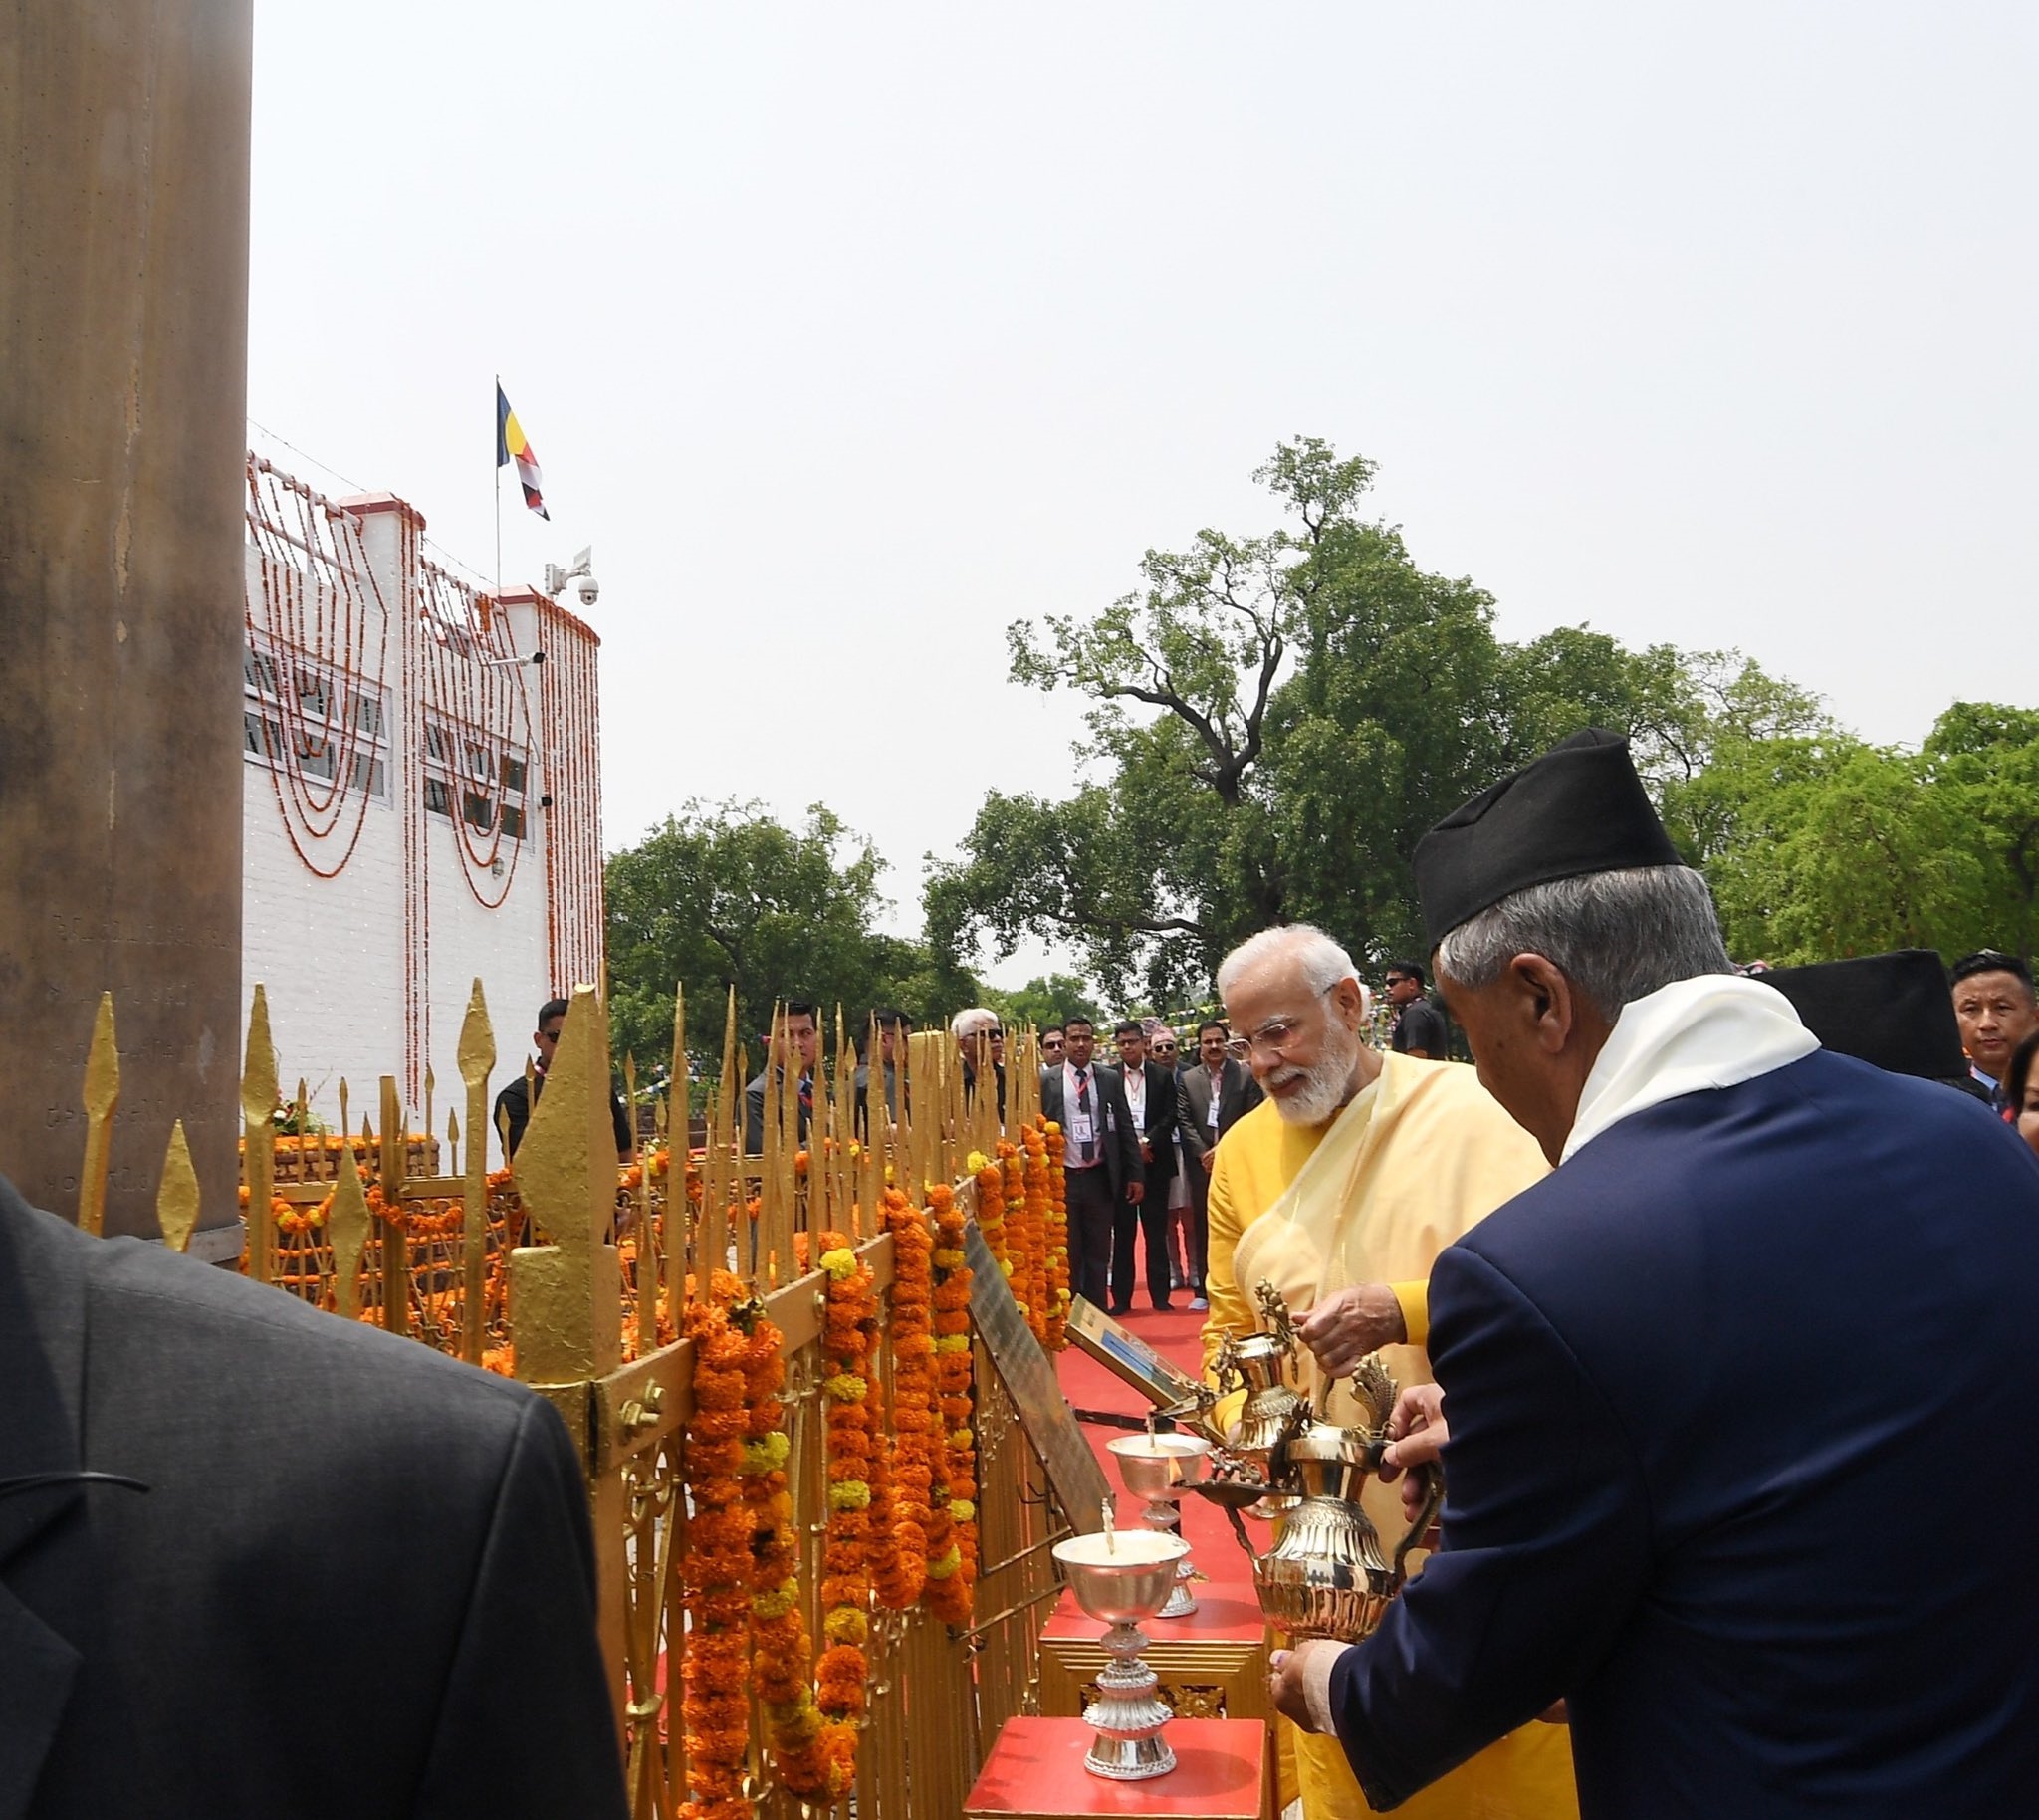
point(723, 895)
point(1044, 1000)
point(1278, 718)
point(1986, 758)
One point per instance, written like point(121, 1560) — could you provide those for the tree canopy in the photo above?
point(1277, 719)
point(723, 895)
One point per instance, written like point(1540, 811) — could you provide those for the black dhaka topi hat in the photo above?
point(1579, 809)
point(1892, 1011)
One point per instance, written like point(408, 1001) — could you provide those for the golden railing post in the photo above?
point(647, 1239)
point(566, 1298)
point(396, 1148)
point(176, 1201)
point(102, 1095)
point(348, 1227)
point(258, 1138)
point(476, 1056)
point(678, 1132)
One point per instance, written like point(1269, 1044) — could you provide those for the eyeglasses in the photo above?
point(1275, 1036)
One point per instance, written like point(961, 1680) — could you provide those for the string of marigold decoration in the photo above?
point(848, 1334)
point(717, 1564)
point(916, 1420)
point(1044, 1154)
point(952, 1537)
point(781, 1652)
point(990, 1208)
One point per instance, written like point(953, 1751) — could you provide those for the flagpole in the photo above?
point(496, 405)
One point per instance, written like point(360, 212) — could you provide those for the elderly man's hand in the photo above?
point(1353, 1323)
point(1295, 1675)
point(1415, 1436)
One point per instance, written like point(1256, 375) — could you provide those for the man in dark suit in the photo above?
point(1100, 1155)
point(334, 1522)
point(891, 1028)
point(1150, 1093)
point(1734, 1394)
point(514, 1105)
point(1217, 1092)
point(796, 1039)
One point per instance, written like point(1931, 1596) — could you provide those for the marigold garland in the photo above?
point(915, 1418)
point(781, 1652)
point(951, 1535)
point(990, 1208)
point(1027, 1220)
point(848, 1333)
point(717, 1565)
point(1057, 1230)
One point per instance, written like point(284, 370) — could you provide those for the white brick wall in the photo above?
point(331, 950)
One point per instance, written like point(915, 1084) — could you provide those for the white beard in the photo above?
point(1327, 1086)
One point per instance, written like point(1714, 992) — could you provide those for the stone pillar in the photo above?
point(123, 305)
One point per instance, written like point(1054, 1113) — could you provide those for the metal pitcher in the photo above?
point(1326, 1574)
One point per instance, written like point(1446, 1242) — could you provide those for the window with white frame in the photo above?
point(303, 715)
point(475, 776)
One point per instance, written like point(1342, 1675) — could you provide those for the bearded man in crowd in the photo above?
point(1339, 1189)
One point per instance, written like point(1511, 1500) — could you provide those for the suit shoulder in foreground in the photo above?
point(350, 1548)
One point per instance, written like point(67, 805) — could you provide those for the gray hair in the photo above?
point(1322, 961)
point(1617, 936)
point(970, 1023)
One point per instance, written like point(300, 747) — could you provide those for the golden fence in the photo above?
point(588, 1282)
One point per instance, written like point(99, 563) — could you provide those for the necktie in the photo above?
point(1083, 1107)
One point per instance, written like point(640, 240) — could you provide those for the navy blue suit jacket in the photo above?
point(1745, 1465)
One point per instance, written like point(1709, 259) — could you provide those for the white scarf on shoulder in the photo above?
point(1716, 1031)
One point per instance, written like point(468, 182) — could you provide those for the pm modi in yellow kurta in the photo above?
point(1339, 1189)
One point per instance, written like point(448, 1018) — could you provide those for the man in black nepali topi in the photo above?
point(1739, 1396)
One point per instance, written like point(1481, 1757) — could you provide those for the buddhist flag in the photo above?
point(511, 446)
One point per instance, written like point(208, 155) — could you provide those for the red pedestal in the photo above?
point(1035, 1772)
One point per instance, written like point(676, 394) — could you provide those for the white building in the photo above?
point(422, 800)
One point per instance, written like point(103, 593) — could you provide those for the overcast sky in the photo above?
point(847, 334)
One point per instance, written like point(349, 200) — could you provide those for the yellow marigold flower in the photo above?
point(961, 1438)
point(845, 1624)
point(776, 1604)
point(849, 1495)
point(948, 1564)
point(766, 1454)
point(840, 1265)
point(847, 1387)
point(974, 1161)
point(953, 1342)
point(962, 1511)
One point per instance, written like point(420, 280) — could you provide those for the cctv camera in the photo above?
point(589, 589)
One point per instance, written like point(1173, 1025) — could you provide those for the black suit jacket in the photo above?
point(754, 1111)
point(349, 1549)
point(513, 1109)
point(1118, 1143)
point(1159, 1126)
point(1238, 1094)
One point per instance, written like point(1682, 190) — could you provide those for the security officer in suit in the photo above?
point(1100, 1155)
point(1150, 1090)
point(1215, 1093)
point(258, 1560)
